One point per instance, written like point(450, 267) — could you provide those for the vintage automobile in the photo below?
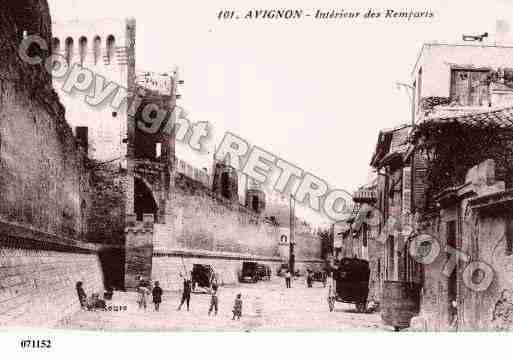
point(319, 276)
point(264, 272)
point(351, 278)
point(202, 275)
point(249, 272)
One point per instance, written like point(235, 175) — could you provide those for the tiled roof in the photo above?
point(393, 141)
point(365, 195)
point(502, 118)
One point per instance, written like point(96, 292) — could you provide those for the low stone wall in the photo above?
point(37, 287)
point(166, 267)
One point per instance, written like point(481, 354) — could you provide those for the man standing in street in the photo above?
point(287, 279)
point(214, 301)
point(157, 296)
point(186, 295)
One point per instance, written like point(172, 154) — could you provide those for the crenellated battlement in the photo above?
point(196, 174)
point(99, 43)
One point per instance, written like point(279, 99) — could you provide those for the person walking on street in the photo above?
point(287, 279)
point(237, 307)
point(186, 294)
point(214, 302)
point(331, 291)
point(157, 296)
point(82, 296)
point(143, 293)
point(309, 278)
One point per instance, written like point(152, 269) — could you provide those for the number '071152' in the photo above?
point(36, 344)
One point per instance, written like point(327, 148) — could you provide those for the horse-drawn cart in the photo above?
point(351, 283)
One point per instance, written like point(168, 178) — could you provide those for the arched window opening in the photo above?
point(97, 49)
point(69, 50)
point(143, 200)
point(56, 45)
point(83, 218)
point(111, 43)
point(225, 185)
point(254, 203)
point(82, 49)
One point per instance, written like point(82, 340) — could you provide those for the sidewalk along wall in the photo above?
point(37, 285)
point(43, 184)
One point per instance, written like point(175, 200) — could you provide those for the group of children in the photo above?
point(144, 291)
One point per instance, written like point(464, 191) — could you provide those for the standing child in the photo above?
point(287, 279)
point(213, 300)
point(237, 307)
point(143, 293)
point(157, 296)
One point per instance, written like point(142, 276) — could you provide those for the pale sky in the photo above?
point(314, 93)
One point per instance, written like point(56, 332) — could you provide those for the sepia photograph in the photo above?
point(255, 167)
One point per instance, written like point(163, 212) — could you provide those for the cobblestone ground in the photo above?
point(297, 308)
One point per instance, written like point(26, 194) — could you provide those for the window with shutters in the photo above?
point(509, 234)
point(406, 202)
point(470, 87)
point(420, 180)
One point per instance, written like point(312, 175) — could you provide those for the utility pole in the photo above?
point(292, 241)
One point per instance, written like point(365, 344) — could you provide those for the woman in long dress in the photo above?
point(143, 292)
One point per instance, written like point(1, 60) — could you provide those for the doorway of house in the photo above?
point(452, 289)
point(112, 260)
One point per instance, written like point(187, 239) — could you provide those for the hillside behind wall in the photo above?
point(43, 186)
point(206, 229)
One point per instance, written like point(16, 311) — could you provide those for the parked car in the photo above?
point(263, 272)
point(249, 272)
point(319, 276)
point(203, 275)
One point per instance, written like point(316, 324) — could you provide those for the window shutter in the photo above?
point(419, 181)
point(406, 190)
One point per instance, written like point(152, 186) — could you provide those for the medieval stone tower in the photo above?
point(107, 49)
point(255, 197)
point(225, 183)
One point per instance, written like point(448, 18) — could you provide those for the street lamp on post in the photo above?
point(411, 95)
point(292, 240)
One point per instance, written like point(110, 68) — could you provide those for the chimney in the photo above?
point(503, 33)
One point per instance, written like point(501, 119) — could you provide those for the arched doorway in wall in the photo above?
point(144, 201)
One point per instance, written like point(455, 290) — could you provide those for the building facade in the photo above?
point(461, 173)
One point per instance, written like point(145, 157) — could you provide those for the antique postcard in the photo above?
point(271, 166)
